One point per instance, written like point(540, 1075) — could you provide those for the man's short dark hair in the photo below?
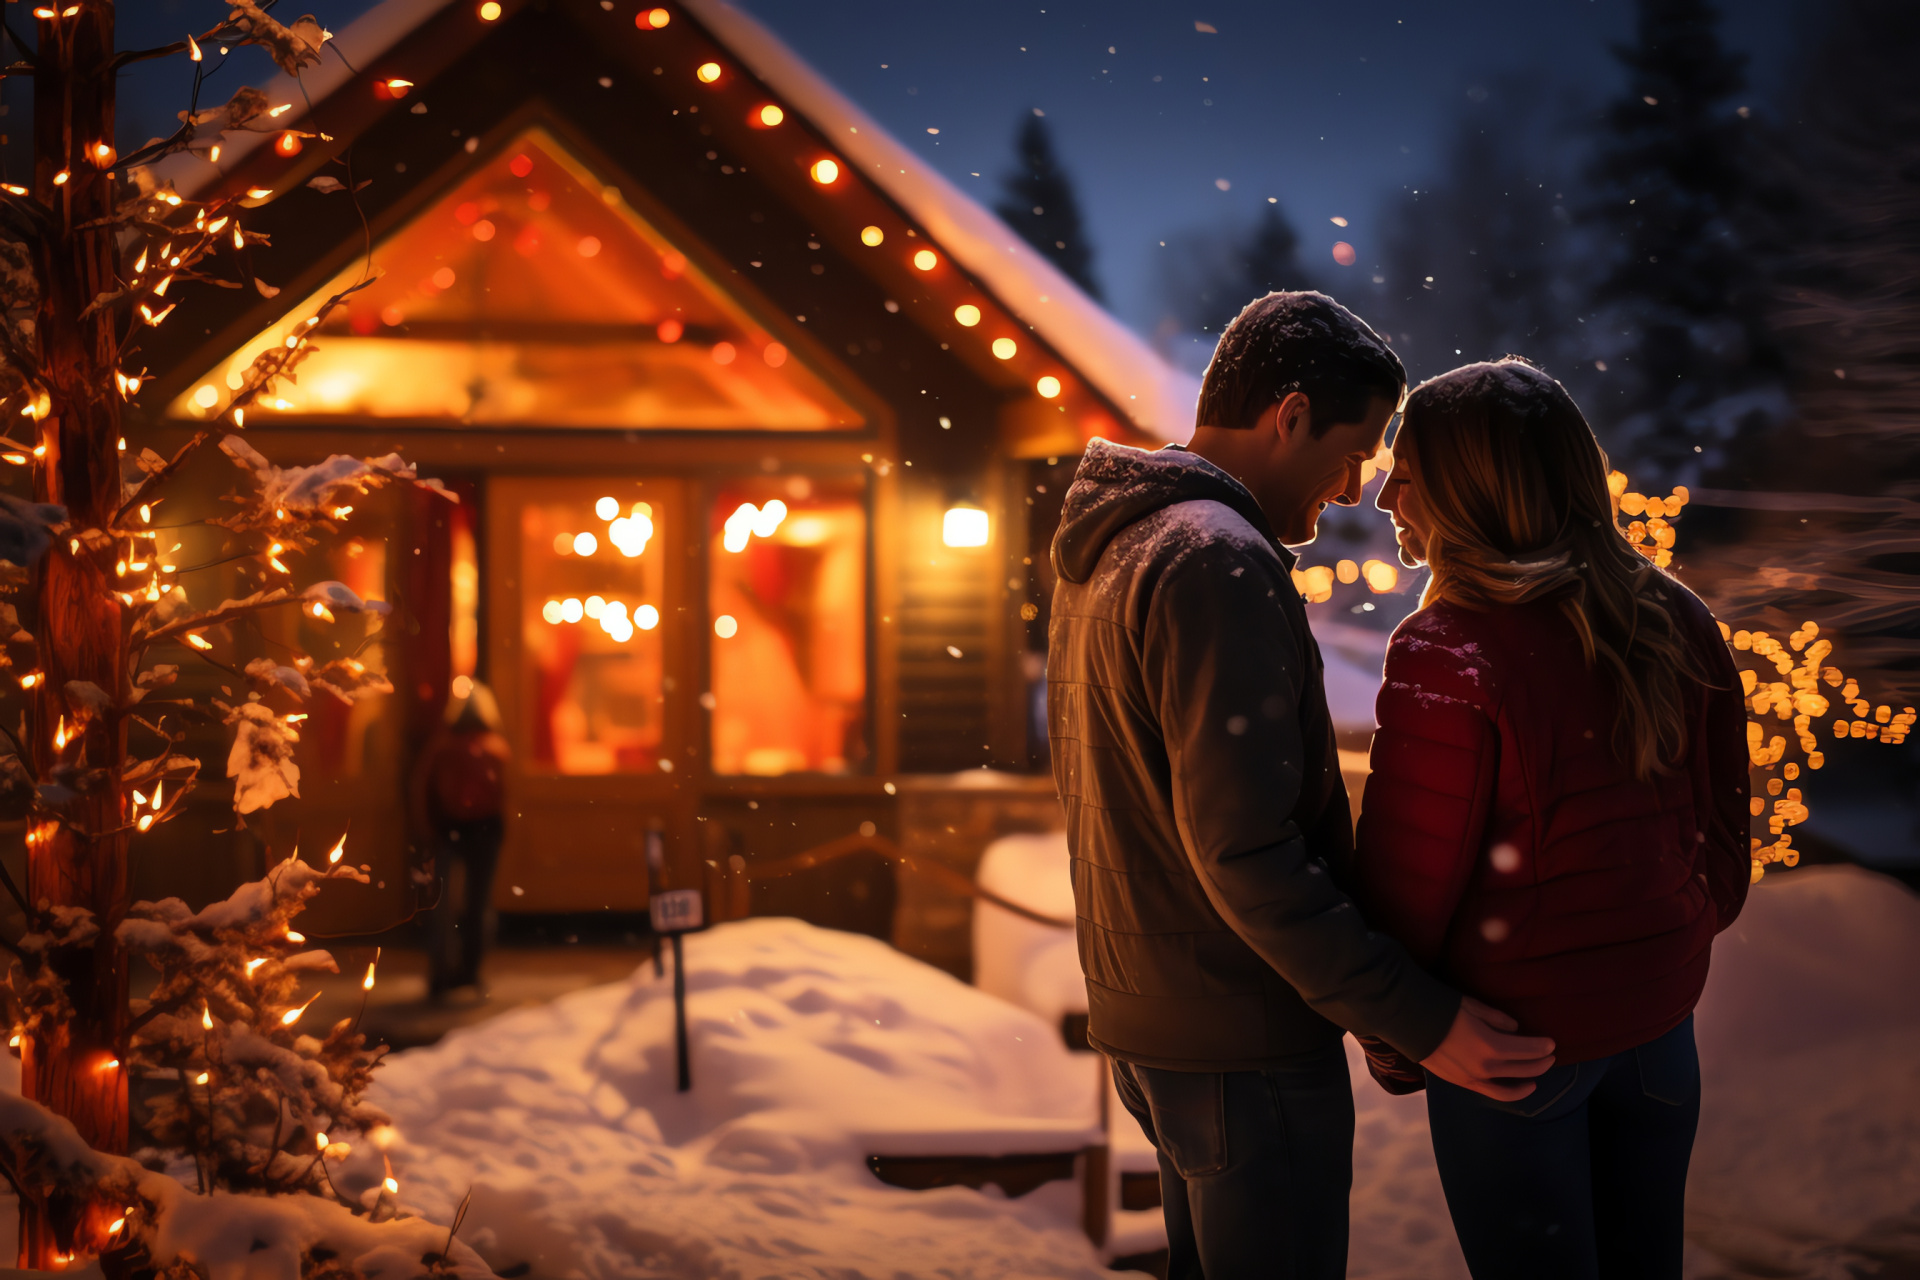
point(1302, 342)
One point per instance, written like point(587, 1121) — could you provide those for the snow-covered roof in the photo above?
point(1158, 398)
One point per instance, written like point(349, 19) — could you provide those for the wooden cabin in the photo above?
point(759, 429)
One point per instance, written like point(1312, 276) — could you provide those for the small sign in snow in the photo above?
point(676, 911)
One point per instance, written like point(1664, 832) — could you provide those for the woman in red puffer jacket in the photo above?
point(1556, 823)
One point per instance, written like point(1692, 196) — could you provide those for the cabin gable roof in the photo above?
point(1103, 379)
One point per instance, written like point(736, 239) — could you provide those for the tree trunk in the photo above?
point(81, 859)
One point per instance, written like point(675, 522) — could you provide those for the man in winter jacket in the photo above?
point(1209, 827)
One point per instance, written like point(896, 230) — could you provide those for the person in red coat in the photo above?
point(459, 800)
point(1555, 823)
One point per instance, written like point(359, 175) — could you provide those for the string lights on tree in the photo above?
point(241, 1095)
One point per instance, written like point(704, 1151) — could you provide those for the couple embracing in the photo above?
point(1554, 829)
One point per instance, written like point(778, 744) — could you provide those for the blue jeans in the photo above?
point(1583, 1179)
point(1255, 1166)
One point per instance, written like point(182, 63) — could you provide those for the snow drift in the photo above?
point(811, 1050)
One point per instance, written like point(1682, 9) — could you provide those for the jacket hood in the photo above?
point(1116, 485)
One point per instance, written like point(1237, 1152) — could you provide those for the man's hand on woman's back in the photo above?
point(1481, 1053)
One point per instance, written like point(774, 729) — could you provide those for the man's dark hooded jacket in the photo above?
point(1195, 757)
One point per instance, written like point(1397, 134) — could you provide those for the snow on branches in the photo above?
point(261, 761)
point(288, 499)
point(290, 47)
point(224, 1235)
point(241, 1103)
point(258, 1105)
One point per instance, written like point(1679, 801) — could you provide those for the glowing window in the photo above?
point(592, 652)
point(787, 589)
point(530, 294)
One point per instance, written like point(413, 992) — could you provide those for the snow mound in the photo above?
point(1033, 965)
point(811, 1050)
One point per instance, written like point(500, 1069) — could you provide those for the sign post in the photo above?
point(676, 912)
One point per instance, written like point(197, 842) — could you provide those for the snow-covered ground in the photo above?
point(813, 1049)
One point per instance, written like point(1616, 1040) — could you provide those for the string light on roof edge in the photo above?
point(1005, 348)
point(770, 115)
point(489, 11)
point(1048, 386)
point(708, 72)
point(967, 314)
point(926, 259)
point(872, 236)
point(826, 172)
point(652, 19)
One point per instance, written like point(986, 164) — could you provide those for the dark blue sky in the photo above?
point(1330, 107)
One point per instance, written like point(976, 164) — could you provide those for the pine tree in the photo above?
point(1678, 205)
point(1478, 260)
point(1040, 204)
point(1206, 277)
point(1269, 259)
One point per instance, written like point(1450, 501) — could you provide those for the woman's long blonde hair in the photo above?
point(1515, 488)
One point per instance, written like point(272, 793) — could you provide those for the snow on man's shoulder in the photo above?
point(1205, 534)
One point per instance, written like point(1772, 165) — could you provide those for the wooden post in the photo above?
point(680, 1014)
point(81, 859)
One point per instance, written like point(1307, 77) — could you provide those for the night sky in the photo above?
point(1330, 108)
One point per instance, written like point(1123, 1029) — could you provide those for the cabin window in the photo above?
point(591, 639)
point(787, 627)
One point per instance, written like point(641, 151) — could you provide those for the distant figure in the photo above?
point(459, 791)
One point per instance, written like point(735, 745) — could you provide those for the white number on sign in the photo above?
point(675, 910)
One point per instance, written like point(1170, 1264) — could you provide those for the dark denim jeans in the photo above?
point(1583, 1179)
point(465, 855)
point(1255, 1166)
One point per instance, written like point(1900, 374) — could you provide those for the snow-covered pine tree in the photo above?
point(1677, 202)
point(1040, 204)
point(242, 1102)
